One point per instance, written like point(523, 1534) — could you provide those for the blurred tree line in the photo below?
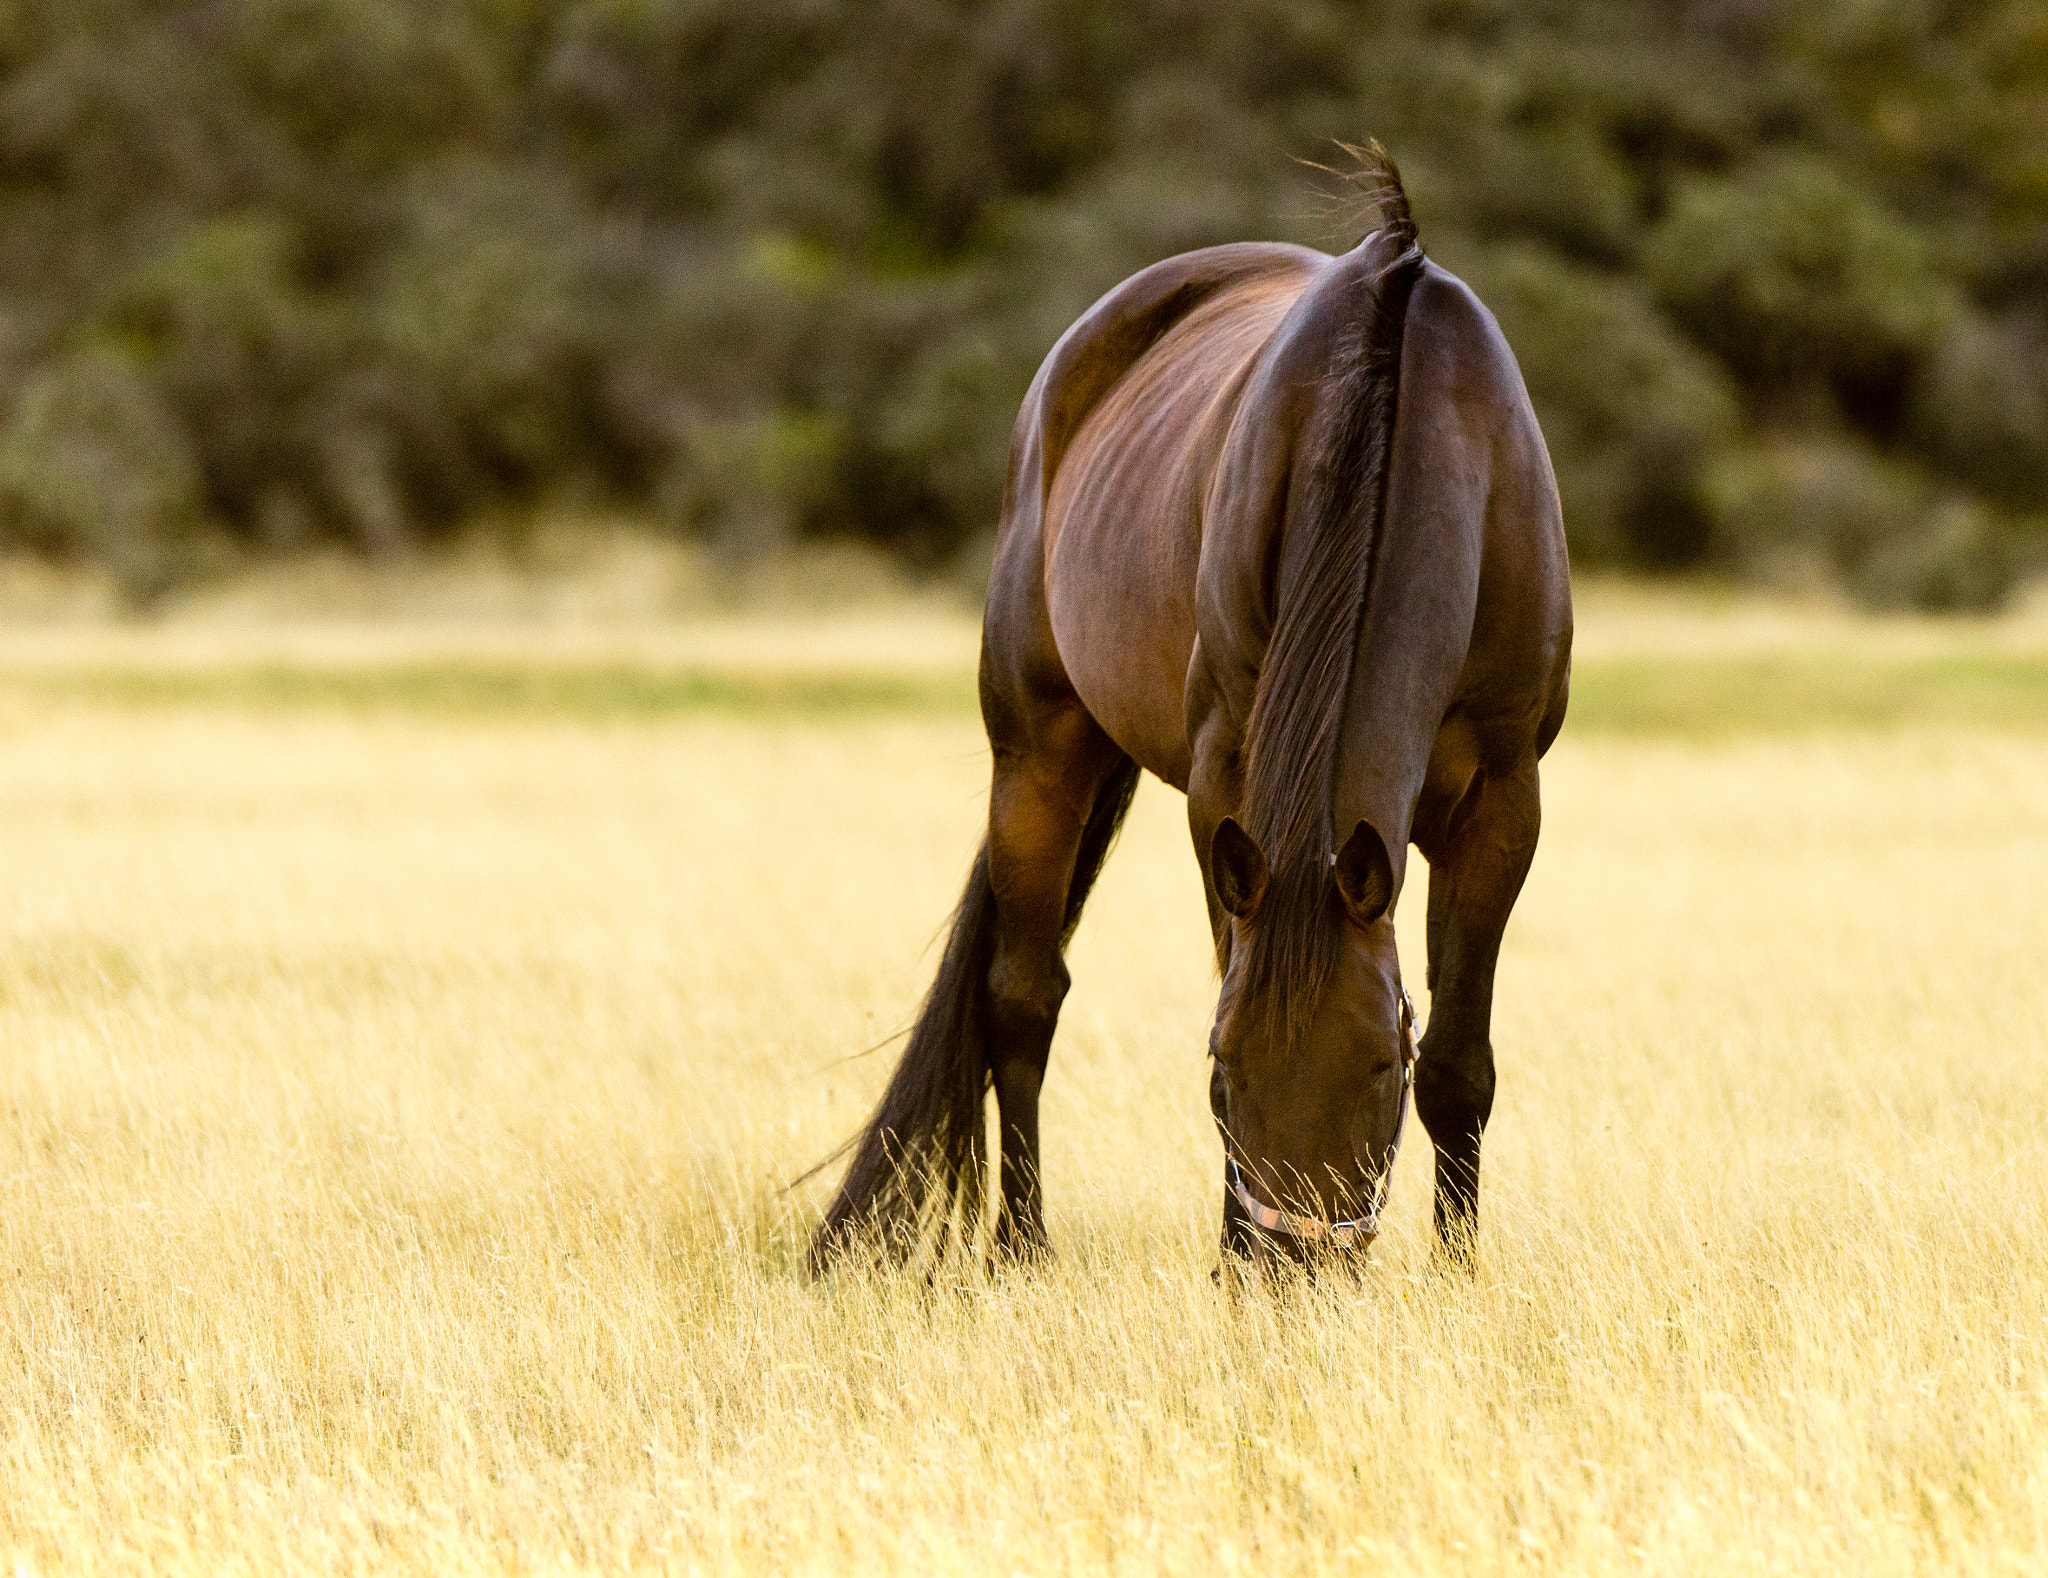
point(290, 271)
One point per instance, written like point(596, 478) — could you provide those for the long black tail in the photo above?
point(1105, 817)
point(923, 1154)
point(920, 1166)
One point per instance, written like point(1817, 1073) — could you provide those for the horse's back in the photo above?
point(1130, 412)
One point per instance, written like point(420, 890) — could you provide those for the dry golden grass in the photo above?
point(395, 1106)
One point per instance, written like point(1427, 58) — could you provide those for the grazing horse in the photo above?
point(1281, 530)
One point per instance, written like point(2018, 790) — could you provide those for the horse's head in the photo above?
point(1313, 1045)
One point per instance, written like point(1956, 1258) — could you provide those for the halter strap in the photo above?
point(1342, 1235)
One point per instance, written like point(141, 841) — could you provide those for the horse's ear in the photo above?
point(1236, 868)
point(1365, 874)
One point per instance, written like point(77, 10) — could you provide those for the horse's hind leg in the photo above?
point(1474, 880)
point(1060, 788)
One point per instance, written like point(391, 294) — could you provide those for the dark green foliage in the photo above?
point(1818, 511)
point(286, 270)
point(1801, 282)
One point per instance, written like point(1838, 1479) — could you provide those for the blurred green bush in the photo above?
point(286, 272)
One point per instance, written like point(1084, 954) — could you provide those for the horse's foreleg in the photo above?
point(1472, 887)
point(1045, 813)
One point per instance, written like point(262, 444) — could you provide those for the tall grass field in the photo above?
point(407, 1035)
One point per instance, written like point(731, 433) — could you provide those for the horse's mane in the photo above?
point(1298, 706)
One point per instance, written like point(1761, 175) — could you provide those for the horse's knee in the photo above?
point(1026, 990)
point(1454, 1094)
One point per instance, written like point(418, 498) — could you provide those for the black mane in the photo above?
point(1298, 708)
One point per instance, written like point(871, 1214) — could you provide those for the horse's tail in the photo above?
point(923, 1154)
point(920, 1166)
point(1098, 837)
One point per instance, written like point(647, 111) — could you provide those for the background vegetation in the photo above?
point(282, 272)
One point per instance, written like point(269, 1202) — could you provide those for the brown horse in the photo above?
point(1281, 530)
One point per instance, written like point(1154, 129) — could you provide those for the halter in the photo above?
point(1342, 1235)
